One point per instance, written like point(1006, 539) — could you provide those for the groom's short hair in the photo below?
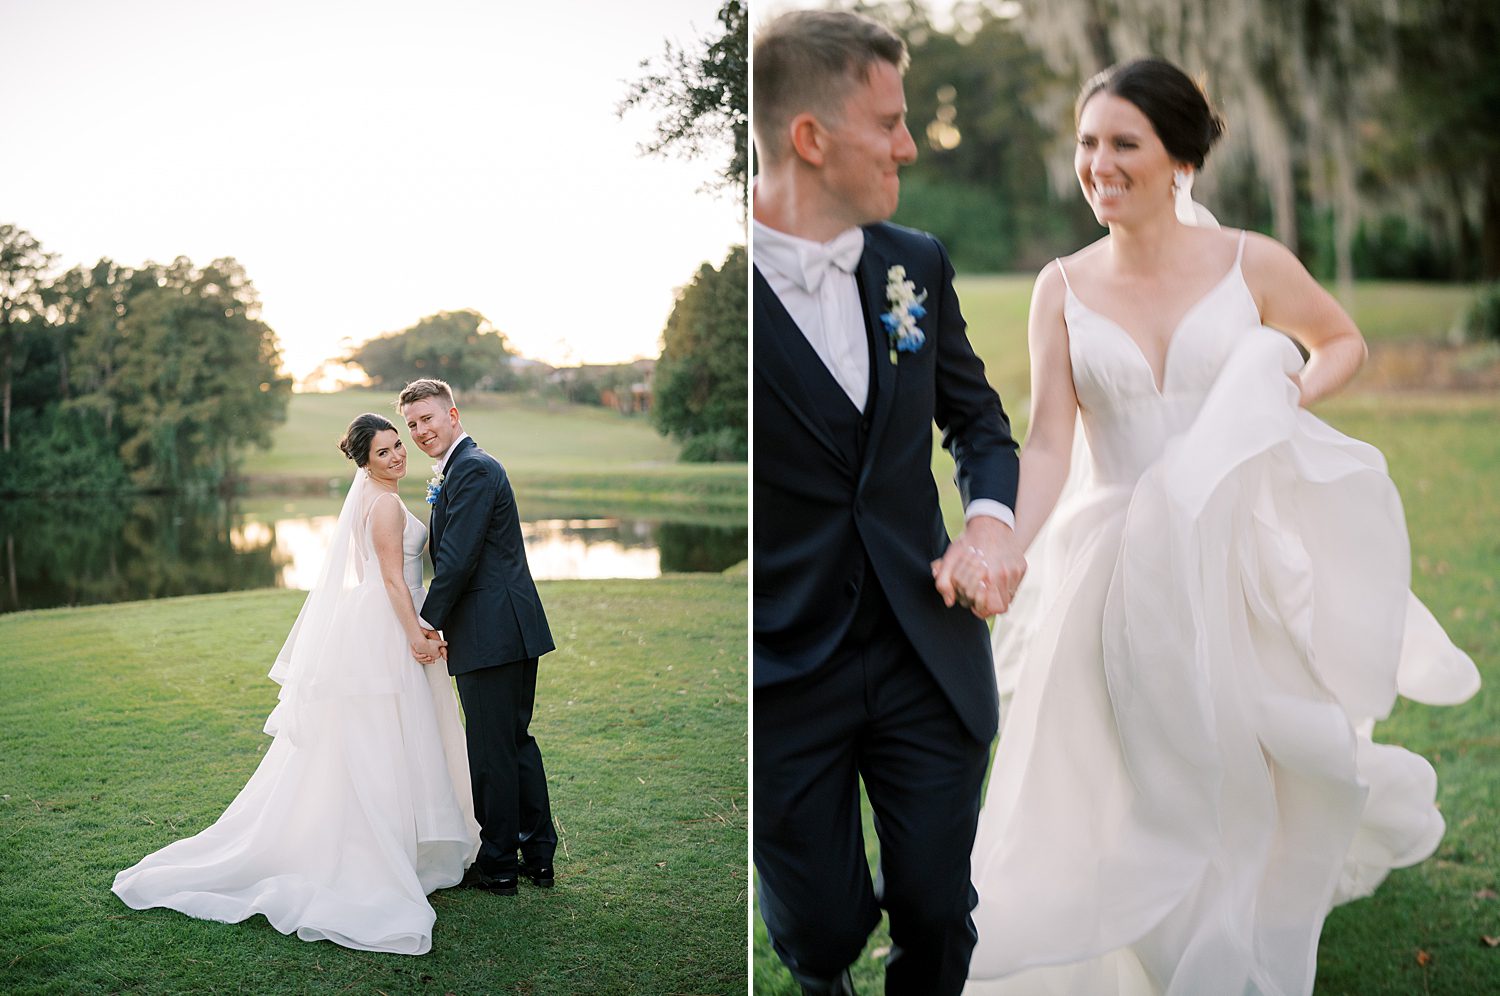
point(427, 387)
point(809, 60)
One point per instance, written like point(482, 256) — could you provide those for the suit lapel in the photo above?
point(434, 529)
point(787, 360)
point(440, 507)
point(872, 280)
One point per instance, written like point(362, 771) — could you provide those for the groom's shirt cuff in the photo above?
point(991, 508)
point(425, 624)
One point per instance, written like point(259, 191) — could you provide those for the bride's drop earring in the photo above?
point(367, 473)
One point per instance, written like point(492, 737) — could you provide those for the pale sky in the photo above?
point(370, 162)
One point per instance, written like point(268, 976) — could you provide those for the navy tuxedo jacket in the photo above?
point(483, 597)
point(821, 507)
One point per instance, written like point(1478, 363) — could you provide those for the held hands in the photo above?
point(430, 647)
point(981, 569)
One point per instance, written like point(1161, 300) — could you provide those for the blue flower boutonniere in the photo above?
point(906, 310)
point(434, 486)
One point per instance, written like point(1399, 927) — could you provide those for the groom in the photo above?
point(870, 660)
point(484, 601)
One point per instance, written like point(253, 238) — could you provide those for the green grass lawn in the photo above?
point(525, 434)
point(1423, 931)
point(124, 727)
point(575, 458)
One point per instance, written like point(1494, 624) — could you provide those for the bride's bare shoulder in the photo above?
point(1087, 255)
point(1082, 263)
point(1048, 295)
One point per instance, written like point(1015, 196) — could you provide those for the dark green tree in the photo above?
point(23, 265)
point(195, 376)
point(460, 347)
point(1352, 125)
point(1448, 62)
point(88, 304)
point(980, 106)
point(700, 390)
point(703, 96)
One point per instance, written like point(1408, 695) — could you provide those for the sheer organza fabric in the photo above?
point(1215, 617)
point(361, 806)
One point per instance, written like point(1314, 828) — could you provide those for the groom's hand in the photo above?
point(981, 569)
point(437, 638)
point(433, 634)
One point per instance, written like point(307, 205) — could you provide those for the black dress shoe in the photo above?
point(500, 885)
point(540, 876)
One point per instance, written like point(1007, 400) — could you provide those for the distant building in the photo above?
point(625, 387)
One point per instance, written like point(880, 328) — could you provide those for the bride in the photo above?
point(1218, 608)
point(361, 806)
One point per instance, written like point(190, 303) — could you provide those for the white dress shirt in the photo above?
point(815, 282)
point(442, 463)
point(438, 468)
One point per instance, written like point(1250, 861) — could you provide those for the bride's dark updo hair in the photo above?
point(357, 438)
point(1176, 106)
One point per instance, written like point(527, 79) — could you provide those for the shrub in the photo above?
point(1480, 322)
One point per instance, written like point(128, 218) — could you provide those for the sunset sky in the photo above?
point(368, 163)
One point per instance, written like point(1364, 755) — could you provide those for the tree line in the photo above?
point(702, 93)
point(460, 347)
point(157, 377)
point(147, 378)
point(1361, 132)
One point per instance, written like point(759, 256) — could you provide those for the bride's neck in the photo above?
point(1146, 248)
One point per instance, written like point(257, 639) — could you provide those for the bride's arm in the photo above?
point(387, 521)
point(1048, 450)
point(1292, 301)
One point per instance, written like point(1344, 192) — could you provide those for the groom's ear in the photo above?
point(809, 139)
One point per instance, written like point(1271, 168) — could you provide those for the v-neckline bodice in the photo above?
point(1160, 386)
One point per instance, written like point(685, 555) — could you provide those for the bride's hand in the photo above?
point(433, 634)
point(427, 650)
point(981, 569)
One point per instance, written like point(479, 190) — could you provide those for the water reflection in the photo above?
point(299, 546)
point(84, 552)
point(557, 549)
point(591, 548)
point(81, 552)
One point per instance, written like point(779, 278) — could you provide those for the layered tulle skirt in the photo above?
point(360, 808)
point(1186, 782)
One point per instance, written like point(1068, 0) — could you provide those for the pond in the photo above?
point(83, 552)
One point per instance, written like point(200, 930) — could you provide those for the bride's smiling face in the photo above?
point(387, 460)
point(1124, 169)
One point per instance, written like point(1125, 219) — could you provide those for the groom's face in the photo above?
point(868, 146)
point(433, 427)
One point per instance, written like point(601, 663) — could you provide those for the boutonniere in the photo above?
point(434, 486)
point(906, 310)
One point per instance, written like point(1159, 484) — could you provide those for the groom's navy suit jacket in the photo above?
point(483, 597)
point(830, 503)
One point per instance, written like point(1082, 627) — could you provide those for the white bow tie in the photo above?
point(842, 254)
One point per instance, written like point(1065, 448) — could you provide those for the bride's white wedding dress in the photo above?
point(1215, 616)
point(361, 806)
